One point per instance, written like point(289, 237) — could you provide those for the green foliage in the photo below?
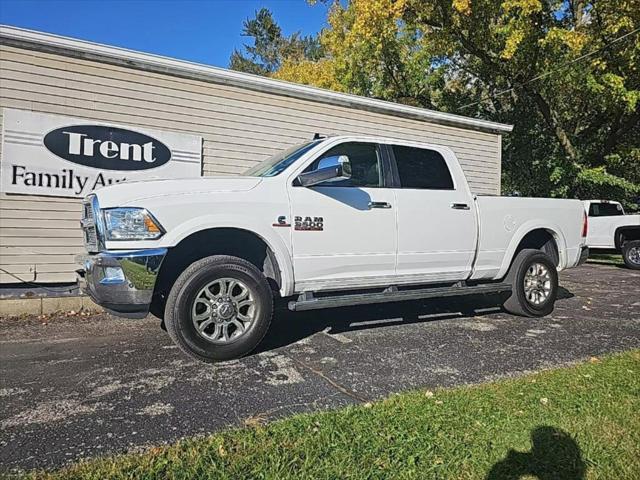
point(596, 182)
point(565, 73)
point(270, 47)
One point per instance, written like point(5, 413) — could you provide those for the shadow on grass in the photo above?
point(553, 455)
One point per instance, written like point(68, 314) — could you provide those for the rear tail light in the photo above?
point(585, 225)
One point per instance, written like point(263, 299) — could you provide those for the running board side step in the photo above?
point(307, 301)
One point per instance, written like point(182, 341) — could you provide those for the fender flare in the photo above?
point(523, 231)
point(216, 221)
point(616, 234)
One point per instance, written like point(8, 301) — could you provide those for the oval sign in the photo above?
point(107, 148)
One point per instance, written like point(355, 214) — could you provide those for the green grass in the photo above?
point(138, 275)
point(570, 423)
point(606, 259)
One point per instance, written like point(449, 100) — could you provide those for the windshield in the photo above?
point(278, 163)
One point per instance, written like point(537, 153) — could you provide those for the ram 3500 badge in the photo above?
point(372, 220)
point(314, 224)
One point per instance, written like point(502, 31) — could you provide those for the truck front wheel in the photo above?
point(631, 254)
point(219, 308)
point(534, 281)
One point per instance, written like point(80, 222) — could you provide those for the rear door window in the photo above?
point(422, 168)
point(605, 210)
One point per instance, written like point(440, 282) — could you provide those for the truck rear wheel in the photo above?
point(219, 308)
point(631, 254)
point(534, 280)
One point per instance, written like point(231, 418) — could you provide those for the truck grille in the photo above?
point(90, 239)
point(89, 224)
point(88, 210)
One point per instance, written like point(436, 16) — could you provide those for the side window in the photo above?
point(366, 164)
point(605, 210)
point(422, 168)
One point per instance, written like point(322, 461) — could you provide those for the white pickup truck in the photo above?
point(611, 230)
point(336, 221)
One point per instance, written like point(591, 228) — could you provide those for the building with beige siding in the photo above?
point(234, 120)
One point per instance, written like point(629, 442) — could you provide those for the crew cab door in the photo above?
point(344, 231)
point(437, 230)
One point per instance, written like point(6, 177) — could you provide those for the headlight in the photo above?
point(131, 224)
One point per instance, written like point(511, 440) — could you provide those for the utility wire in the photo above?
point(546, 74)
point(39, 285)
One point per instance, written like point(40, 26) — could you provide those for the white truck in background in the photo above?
point(337, 221)
point(610, 229)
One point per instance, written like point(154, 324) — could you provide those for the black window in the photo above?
point(605, 210)
point(366, 164)
point(422, 168)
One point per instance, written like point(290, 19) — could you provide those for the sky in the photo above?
point(204, 31)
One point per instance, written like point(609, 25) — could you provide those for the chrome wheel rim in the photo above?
point(537, 284)
point(634, 255)
point(223, 310)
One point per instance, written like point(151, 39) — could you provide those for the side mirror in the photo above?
point(340, 171)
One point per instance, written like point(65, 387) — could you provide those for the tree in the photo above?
point(566, 73)
point(270, 47)
point(570, 88)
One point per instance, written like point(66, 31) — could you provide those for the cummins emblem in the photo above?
point(314, 224)
point(107, 148)
point(282, 222)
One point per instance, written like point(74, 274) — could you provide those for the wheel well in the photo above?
point(540, 239)
point(626, 234)
point(218, 241)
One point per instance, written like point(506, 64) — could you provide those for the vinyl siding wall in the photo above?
point(39, 236)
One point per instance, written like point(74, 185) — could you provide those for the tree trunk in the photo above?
point(552, 121)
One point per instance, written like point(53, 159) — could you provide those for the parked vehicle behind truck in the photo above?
point(611, 230)
point(336, 221)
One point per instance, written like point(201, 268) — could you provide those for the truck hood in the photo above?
point(127, 194)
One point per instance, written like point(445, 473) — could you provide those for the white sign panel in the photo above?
point(71, 157)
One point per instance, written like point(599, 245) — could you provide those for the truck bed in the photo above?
point(504, 219)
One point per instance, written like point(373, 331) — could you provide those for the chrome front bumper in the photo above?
point(121, 281)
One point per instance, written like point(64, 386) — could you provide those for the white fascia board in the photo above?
point(157, 63)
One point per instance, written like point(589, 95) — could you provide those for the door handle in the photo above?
point(379, 205)
point(460, 206)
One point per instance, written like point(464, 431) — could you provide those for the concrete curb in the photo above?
point(16, 307)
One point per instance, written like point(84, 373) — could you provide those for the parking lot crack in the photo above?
point(330, 381)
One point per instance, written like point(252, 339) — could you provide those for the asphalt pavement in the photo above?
point(73, 387)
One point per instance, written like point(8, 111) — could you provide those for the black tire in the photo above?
point(517, 303)
point(630, 260)
point(183, 294)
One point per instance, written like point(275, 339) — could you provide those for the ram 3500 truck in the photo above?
point(610, 229)
point(336, 221)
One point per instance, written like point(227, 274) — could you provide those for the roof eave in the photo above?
point(181, 68)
